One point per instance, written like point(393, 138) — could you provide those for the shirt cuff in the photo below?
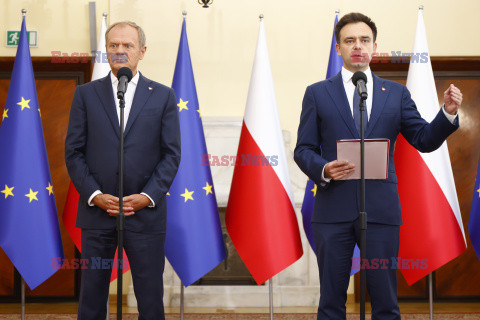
point(326, 180)
point(93, 196)
point(152, 203)
point(450, 117)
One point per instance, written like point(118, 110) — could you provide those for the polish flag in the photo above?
point(432, 229)
point(260, 216)
point(101, 69)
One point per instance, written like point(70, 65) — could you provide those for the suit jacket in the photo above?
point(151, 151)
point(326, 117)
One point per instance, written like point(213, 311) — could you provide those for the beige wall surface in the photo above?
point(223, 38)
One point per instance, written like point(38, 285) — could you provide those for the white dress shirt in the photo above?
point(350, 89)
point(131, 88)
point(129, 94)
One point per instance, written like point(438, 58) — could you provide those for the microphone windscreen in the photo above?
point(125, 71)
point(359, 75)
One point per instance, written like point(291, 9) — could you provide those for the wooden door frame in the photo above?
point(45, 69)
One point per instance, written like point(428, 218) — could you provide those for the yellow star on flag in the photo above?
point(5, 115)
point(314, 190)
point(168, 193)
point(187, 195)
point(182, 105)
point(478, 192)
point(50, 189)
point(24, 104)
point(199, 114)
point(208, 189)
point(32, 195)
point(7, 191)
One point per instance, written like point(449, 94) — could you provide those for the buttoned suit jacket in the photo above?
point(326, 117)
point(151, 151)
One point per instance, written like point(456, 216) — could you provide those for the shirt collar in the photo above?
point(347, 75)
point(134, 79)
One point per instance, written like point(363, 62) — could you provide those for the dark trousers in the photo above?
point(334, 244)
point(146, 256)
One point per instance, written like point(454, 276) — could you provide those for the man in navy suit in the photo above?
point(151, 159)
point(330, 113)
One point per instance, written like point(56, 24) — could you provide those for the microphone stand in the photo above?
point(362, 213)
point(121, 216)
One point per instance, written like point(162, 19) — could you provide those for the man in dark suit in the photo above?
point(330, 113)
point(151, 159)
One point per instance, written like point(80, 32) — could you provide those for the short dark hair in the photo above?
point(354, 17)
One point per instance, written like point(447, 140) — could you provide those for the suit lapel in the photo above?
point(336, 90)
point(105, 93)
point(142, 93)
point(380, 93)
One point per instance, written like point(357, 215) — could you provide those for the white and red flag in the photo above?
point(432, 230)
point(260, 215)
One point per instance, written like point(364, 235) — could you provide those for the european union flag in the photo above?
point(474, 222)
point(194, 242)
point(29, 231)
point(335, 64)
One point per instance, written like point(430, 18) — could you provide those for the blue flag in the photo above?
point(474, 222)
point(335, 63)
point(29, 231)
point(194, 242)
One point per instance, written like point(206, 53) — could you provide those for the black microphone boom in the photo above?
point(124, 76)
point(359, 80)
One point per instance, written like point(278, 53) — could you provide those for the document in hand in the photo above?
point(376, 157)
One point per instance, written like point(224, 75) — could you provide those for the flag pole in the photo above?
point(24, 13)
point(270, 293)
point(182, 287)
point(430, 277)
point(182, 300)
point(23, 294)
point(430, 294)
point(270, 287)
point(108, 308)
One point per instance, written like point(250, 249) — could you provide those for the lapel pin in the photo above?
point(383, 89)
point(150, 88)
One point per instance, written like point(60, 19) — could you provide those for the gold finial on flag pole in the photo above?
point(261, 16)
point(24, 12)
point(420, 7)
point(184, 13)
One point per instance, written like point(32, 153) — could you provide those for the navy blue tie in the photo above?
point(356, 111)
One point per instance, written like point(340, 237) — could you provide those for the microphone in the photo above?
point(359, 80)
point(124, 76)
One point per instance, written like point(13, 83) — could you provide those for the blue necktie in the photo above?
point(356, 110)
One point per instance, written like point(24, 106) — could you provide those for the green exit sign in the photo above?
point(14, 36)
